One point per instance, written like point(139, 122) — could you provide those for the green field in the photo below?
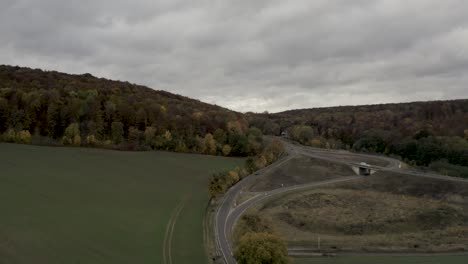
point(384, 260)
point(78, 205)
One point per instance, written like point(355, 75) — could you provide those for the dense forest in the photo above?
point(47, 107)
point(433, 134)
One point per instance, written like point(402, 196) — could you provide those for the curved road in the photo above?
point(228, 213)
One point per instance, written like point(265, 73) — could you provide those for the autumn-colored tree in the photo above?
point(258, 248)
point(235, 127)
point(24, 137)
point(72, 135)
point(210, 144)
point(91, 140)
point(226, 150)
point(76, 140)
point(233, 177)
point(260, 161)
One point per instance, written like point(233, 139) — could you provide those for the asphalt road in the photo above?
point(229, 213)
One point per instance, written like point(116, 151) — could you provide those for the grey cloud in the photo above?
point(251, 55)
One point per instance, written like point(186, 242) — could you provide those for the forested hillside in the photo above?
point(423, 133)
point(44, 107)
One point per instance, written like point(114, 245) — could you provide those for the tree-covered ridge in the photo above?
point(347, 123)
point(423, 133)
point(57, 108)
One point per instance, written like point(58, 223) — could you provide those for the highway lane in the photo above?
point(228, 214)
point(222, 229)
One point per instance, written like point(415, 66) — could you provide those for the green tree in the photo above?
point(141, 119)
point(135, 135)
point(117, 132)
point(53, 120)
point(220, 136)
point(150, 136)
point(260, 248)
point(9, 135)
point(199, 146)
point(4, 112)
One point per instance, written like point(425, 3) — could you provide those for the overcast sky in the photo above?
point(251, 55)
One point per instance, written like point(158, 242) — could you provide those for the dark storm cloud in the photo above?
point(251, 55)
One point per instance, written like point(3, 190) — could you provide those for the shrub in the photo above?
point(23, 137)
point(9, 135)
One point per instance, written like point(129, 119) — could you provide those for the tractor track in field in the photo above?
point(167, 244)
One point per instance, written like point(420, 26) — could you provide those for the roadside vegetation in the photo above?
point(257, 248)
point(425, 134)
point(221, 182)
point(256, 242)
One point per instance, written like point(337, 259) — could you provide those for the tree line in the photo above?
point(220, 182)
point(52, 108)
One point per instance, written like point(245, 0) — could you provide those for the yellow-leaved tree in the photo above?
point(257, 248)
point(226, 150)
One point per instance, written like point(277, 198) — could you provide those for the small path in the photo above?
point(167, 244)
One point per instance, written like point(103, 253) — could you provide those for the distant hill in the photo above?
point(49, 107)
point(421, 132)
point(447, 118)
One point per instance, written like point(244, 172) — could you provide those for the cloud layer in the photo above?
point(251, 55)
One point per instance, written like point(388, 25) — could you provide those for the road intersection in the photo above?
point(229, 212)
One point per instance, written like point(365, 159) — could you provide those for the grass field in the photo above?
point(385, 260)
point(78, 205)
